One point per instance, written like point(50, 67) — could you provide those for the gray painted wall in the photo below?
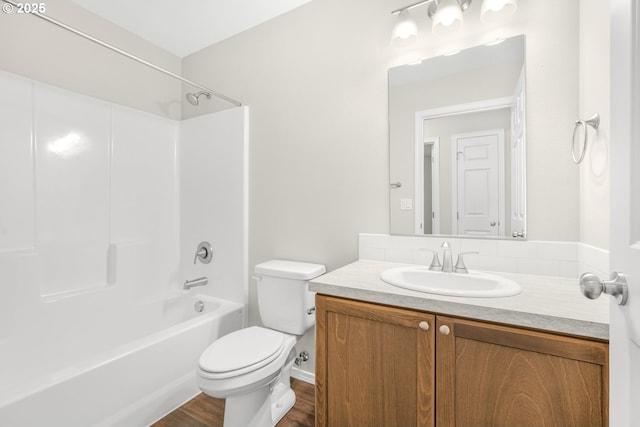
point(316, 83)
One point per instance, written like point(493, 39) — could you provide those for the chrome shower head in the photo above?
point(193, 97)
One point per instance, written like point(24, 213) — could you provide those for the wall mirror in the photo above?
point(457, 133)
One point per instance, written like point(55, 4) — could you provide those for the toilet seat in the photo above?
point(241, 352)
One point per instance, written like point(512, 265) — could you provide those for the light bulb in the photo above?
point(405, 31)
point(495, 5)
point(496, 10)
point(447, 18)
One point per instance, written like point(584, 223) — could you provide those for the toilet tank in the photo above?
point(284, 299)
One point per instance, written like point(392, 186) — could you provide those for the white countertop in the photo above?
point(547, 303)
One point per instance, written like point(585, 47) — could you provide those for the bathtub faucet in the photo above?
point(200, 281)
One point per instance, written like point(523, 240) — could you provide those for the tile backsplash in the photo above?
point(558, 259)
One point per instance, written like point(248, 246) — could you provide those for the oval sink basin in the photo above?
point(473, 284)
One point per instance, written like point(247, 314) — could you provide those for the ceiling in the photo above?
point(183, 27)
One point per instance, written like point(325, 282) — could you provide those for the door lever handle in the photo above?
point(592, 287)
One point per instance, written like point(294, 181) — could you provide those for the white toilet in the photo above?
point(250, 368)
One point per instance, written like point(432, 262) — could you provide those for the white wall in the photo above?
point(88, 226)
point(213, 201)
point(95, 238)
point(595, 97)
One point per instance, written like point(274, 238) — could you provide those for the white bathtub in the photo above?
point(130, 385)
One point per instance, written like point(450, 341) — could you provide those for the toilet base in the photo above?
point(248, 410)
point(260, 408)
point(282, 397)
point(281, 402)
point(265, 406)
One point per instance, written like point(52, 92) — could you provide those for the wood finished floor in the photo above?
point(206, 411)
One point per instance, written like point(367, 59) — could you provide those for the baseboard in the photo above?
point(301, 375)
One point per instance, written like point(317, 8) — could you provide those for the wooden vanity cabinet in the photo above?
point(374, 365)
point(384, 366)
point(492, 375)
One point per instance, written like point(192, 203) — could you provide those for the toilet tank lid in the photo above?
point(290, 269)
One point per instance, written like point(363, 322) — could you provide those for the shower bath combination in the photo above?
point(193, 98)
point(150, 314)
point(147, 313)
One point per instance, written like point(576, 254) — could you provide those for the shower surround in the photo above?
point(102, 208)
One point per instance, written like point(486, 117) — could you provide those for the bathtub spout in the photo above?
point(200, 281)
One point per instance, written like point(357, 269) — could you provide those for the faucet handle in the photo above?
point(201, 253)
point(435, 261)
point(460, 267)
point(204, 253)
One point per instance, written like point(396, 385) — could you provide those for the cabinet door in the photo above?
point(374, 365)
point(489, 375)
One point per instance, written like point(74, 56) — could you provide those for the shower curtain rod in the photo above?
point(127, 54)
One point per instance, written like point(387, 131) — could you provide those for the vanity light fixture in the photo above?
point(496, 10)
point(446, 17)
point(405, 31)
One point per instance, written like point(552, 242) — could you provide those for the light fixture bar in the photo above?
point(411, 6)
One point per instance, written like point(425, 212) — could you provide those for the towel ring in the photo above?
point(594, 122)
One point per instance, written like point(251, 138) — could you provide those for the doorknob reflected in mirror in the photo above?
point(592, 287)
point(492, 223)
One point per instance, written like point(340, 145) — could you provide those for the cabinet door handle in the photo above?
point(424, 325)
point(445, 330)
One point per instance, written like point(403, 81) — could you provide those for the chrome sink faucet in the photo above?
point(460, 267)
point(447, 261)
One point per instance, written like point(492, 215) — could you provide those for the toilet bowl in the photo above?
point(250, 368)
